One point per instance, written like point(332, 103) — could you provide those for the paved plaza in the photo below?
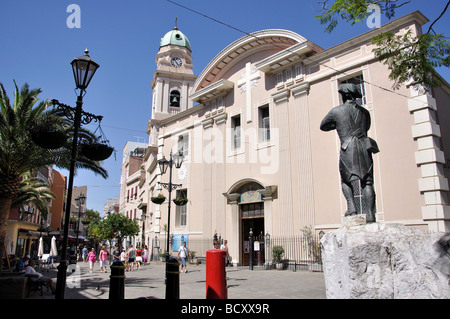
point(149, 283)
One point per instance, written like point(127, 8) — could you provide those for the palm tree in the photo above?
point(20, 155)
point(35, 192)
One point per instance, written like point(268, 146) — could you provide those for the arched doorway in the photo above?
point(251, 220)
point(250, 207)
point(250, 215)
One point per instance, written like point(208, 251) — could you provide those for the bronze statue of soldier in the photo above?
point(352, 121)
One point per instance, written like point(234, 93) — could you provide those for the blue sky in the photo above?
point(123, 37)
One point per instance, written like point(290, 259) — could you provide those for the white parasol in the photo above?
point(41, 247)
point(53, 250)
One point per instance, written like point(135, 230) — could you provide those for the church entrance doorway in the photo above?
point(252, 218)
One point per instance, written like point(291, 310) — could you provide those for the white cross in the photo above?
point(248, 81)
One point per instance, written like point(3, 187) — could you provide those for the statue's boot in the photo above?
point(369, 198)
point(348, 194)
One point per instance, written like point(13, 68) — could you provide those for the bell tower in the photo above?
point(173, 77)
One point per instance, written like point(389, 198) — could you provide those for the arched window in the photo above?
point(174, 99)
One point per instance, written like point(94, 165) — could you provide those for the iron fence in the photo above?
point(199, 246)
point(302, 252)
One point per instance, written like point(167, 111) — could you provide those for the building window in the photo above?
point(181, 211)
point(236, 131)
point(264, 123)
point(288, 76)
point(252, 210)
point(280, 82)
point(359, 81)
point(299, 72)
point(183, 145)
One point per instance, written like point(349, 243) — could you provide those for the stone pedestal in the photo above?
point(385, 261)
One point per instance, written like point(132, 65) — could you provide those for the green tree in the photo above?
point(118, 226)
point(412, 59)
point(93, 230)
point(92, 215)
point(19, 154)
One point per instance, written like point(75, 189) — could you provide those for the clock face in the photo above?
point(176, 62)
point(182, 172)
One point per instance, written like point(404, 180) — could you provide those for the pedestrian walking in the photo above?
point(84, 253)
point(183, 254)
point(145, 254)
point(91, 258)
point(224, 246)
point(116, 254)
point(103, 257)
point(123, 258)
point(131, 258)
point(138, 257)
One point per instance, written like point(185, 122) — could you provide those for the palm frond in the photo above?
point(35, 192)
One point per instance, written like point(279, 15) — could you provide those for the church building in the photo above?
point(254, 157)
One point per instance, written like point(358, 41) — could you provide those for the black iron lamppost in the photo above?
point(83, 70)
point(251, 242)
point(80, 199)
point(175, 159)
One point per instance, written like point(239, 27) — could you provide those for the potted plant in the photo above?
point(180, 201)
point(277, 253)
point(96, 151)
point(158, 199)
point(48, 134)
point(192, 256)
point(162, 256)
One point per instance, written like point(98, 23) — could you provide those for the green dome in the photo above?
point(175, 37)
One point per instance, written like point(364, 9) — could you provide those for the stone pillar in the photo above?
point(207, 168)
point(268, 194)
point(232, 225)
point(286, 211)
point(165, 100)
point(433, 184)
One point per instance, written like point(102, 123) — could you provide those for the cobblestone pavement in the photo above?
point(148, 283)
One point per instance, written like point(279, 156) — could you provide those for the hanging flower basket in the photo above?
point(180, 201)
point(158, 199)
point(99, 150)
point(96, 151)
point(49, 136)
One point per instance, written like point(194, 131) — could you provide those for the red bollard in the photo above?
point(216, 283)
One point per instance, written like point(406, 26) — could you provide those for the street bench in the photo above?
point(36, 286)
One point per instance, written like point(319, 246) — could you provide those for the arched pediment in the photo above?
point(274, 38)
point(251, 188)
point(236, 187)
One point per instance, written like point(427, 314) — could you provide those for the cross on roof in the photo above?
point(249, 81)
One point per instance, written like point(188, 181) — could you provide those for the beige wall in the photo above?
point(300, 160)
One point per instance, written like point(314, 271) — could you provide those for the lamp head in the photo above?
point(83, 70)
point(178, 159)
point(163, 165)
